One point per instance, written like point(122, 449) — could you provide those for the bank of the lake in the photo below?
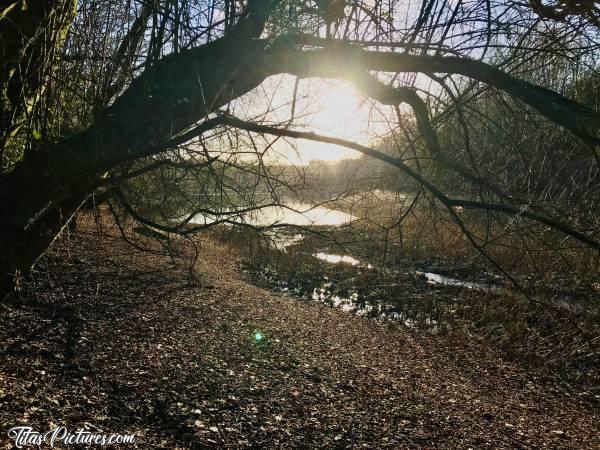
point(124, 341)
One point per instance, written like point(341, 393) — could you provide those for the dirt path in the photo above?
point(121, 341)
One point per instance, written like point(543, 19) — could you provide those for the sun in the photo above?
point(339, 110)
point(329, 107)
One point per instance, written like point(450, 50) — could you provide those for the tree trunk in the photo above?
point(45, 189)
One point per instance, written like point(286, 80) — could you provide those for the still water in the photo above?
point(295, 213)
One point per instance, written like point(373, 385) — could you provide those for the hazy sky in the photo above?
point(332, 108)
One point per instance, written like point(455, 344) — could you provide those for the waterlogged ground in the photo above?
point(396, 293)
point(411, 292)
point(120, 341)
point(415, 291)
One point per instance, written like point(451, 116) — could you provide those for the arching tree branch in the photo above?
point(182, 89)
point(419, 178)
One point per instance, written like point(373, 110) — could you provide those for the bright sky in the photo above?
point(332, 108)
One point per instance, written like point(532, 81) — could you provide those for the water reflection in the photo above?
point(434, 278)
point(294, 213)
point(379, 310)
point(336, 259)
point(385, 303)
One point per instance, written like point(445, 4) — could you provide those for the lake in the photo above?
point(294, 213)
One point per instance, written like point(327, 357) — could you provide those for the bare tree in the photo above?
point(191, 63)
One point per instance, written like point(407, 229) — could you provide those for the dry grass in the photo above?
point(554, 328)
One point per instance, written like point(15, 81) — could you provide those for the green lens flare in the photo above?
point(258, 336)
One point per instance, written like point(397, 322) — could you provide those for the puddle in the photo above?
point(434, 278)
point(402, 296)
point(337, 259)
point(380, 311)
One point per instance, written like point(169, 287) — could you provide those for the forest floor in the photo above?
point(121, 341)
